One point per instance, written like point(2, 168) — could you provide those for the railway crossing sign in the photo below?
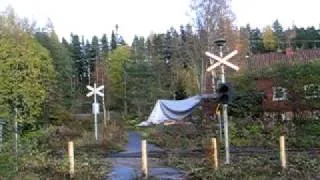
point(95, 90)
point(95, 106)
point(223, 60)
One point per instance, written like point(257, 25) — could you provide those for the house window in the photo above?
point(312, 91)
point(279, 94)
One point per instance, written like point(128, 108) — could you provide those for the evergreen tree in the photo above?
point(78, 61)
point(60, 94)
point(113, 41)
point(183, 34)
point(149, 49)
point(278, 31)
point(62, 63)
point(95, 46)
point(138, 48)
point(66, 45)
point(90, 58)
point(82, 44)
point(105, 45)
point(277, 28)
point(255, 40)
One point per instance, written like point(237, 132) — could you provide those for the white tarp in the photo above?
point(165, 110)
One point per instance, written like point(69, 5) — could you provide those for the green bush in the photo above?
point(306, 134)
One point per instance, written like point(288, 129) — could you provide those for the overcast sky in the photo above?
point(95, 17)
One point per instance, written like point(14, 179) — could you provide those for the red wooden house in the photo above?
point(275, 101)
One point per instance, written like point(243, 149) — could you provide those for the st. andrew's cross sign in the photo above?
point(223, 60)
point(95, 90)
point(95, 105)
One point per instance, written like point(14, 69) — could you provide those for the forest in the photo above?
point(44, 77)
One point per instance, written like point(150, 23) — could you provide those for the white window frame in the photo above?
point(274, 92)
point(315, 95)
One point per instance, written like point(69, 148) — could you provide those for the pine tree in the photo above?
point(62, 63)
point(89, 58)
point(105, 45)
point(138, 48)
point(95, 46)
point(278, 31)
point(255, 38)
point(183, 34)
point(277, 28)
point(66, 45)
point(78, 61)
point(113, 41)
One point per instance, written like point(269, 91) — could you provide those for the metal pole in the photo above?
point(95, 113)
point(226, 136)
point(225, 115)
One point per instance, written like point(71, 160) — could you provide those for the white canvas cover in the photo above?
point(165, 110)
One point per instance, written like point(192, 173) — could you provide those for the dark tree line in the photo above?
point(85, 54)
point(294, 37)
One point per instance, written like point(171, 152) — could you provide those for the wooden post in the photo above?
point(144, 158)
point(71, 158)
point(215, 152)
point(282, 152)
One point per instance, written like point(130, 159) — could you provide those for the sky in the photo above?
point(141, 17)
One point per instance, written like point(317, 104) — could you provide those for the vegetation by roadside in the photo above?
point(43, 153)
point(300, 166)
point(302, 134)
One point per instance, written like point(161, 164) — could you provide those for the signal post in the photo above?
point(95, 105)
point(224, 90)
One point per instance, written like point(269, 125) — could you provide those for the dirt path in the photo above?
point(126, 164)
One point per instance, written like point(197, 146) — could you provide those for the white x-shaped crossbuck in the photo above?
point(223, 60)
point(95, 90)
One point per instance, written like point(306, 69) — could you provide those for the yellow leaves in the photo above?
point(269, 39)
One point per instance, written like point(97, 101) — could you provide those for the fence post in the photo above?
point(215, 152)
point(144, 159)
point(283, 152)
point(71, 158)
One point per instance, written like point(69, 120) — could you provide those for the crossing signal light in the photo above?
point(225, 93)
